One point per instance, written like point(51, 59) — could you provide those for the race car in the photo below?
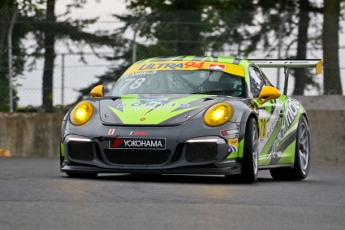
point(190, 115)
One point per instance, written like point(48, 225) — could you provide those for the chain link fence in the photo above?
point(78, 66)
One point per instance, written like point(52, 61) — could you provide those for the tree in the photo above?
point(26, 12)
point(53, 30)
point(4, 17)
point(163, 22)
point(180, 27)
point(49, 57)
point(177, 27)
point(37, 18)
point(302, 41)
point(330, 43)
point(282, 19)
point(174, 27)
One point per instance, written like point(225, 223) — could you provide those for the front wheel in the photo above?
point(302, 156)
point(249, 166)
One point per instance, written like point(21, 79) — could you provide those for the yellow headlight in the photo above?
point(81, 113)
point(218, 114)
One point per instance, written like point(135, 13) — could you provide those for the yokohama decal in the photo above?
point(137, 143)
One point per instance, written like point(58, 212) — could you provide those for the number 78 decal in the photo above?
point(136, 84)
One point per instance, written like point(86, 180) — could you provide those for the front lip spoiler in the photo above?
point(229, 170)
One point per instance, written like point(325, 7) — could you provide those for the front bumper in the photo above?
point(183, 152)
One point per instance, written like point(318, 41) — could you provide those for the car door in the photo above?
point(270, 120)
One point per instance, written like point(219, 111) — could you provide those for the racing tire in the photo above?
point(301, 165)
point(62, 158)
point(249, 168)
point(82, 175)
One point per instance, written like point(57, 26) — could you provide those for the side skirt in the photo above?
point(276, 166)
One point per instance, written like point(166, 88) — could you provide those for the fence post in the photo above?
point(62, 80)
point(10, 64)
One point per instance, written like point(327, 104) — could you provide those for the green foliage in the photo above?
point(26, 11)
point(34, 20)
point(158, 28)
point(183, 27)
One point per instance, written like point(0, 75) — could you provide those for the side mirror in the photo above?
point(267, 93)
point(97, 91)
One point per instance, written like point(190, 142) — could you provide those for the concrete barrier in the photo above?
point(38, 134)
point(329, 102)
point(327, 136)
point(30, 134)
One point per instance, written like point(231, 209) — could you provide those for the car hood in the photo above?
point(152, 109)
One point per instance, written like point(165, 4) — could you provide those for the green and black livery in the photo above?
point(190, 115)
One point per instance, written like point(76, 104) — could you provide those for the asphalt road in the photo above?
point(35, 195)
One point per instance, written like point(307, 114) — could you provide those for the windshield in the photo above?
point(180, 82)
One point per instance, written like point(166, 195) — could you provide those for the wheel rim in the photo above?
point(255, 149)
point(303, 146)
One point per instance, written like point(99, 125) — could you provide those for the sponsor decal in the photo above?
point(152, 66)
point(229, 132)
point(141, 73)
point(291, 111)
point(153, 105)
point(193, 64)
point(263, 127)
point(216, 67)
point(161, 66)
point(137, 143)
point(111, 131)
point(232, 145)
point(172, 66)
point(130, 109)
point(138, 133)
point(158, 99)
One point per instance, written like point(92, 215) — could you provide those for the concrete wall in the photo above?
point(30, 134)
point(37, 134)
point(329, 102)
point(327, 136)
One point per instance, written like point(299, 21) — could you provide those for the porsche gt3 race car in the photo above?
point(190, 115)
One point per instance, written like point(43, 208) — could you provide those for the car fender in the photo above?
point(241, 116)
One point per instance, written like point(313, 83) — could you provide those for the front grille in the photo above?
point(78, 150)
point(178, 153)
point(98, 152)
point(137, 157)
point(201, 151)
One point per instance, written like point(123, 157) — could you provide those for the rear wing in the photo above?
point(288, 64)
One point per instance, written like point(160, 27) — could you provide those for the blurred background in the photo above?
point(53, 52)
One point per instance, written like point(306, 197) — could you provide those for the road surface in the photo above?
point(35, 195)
